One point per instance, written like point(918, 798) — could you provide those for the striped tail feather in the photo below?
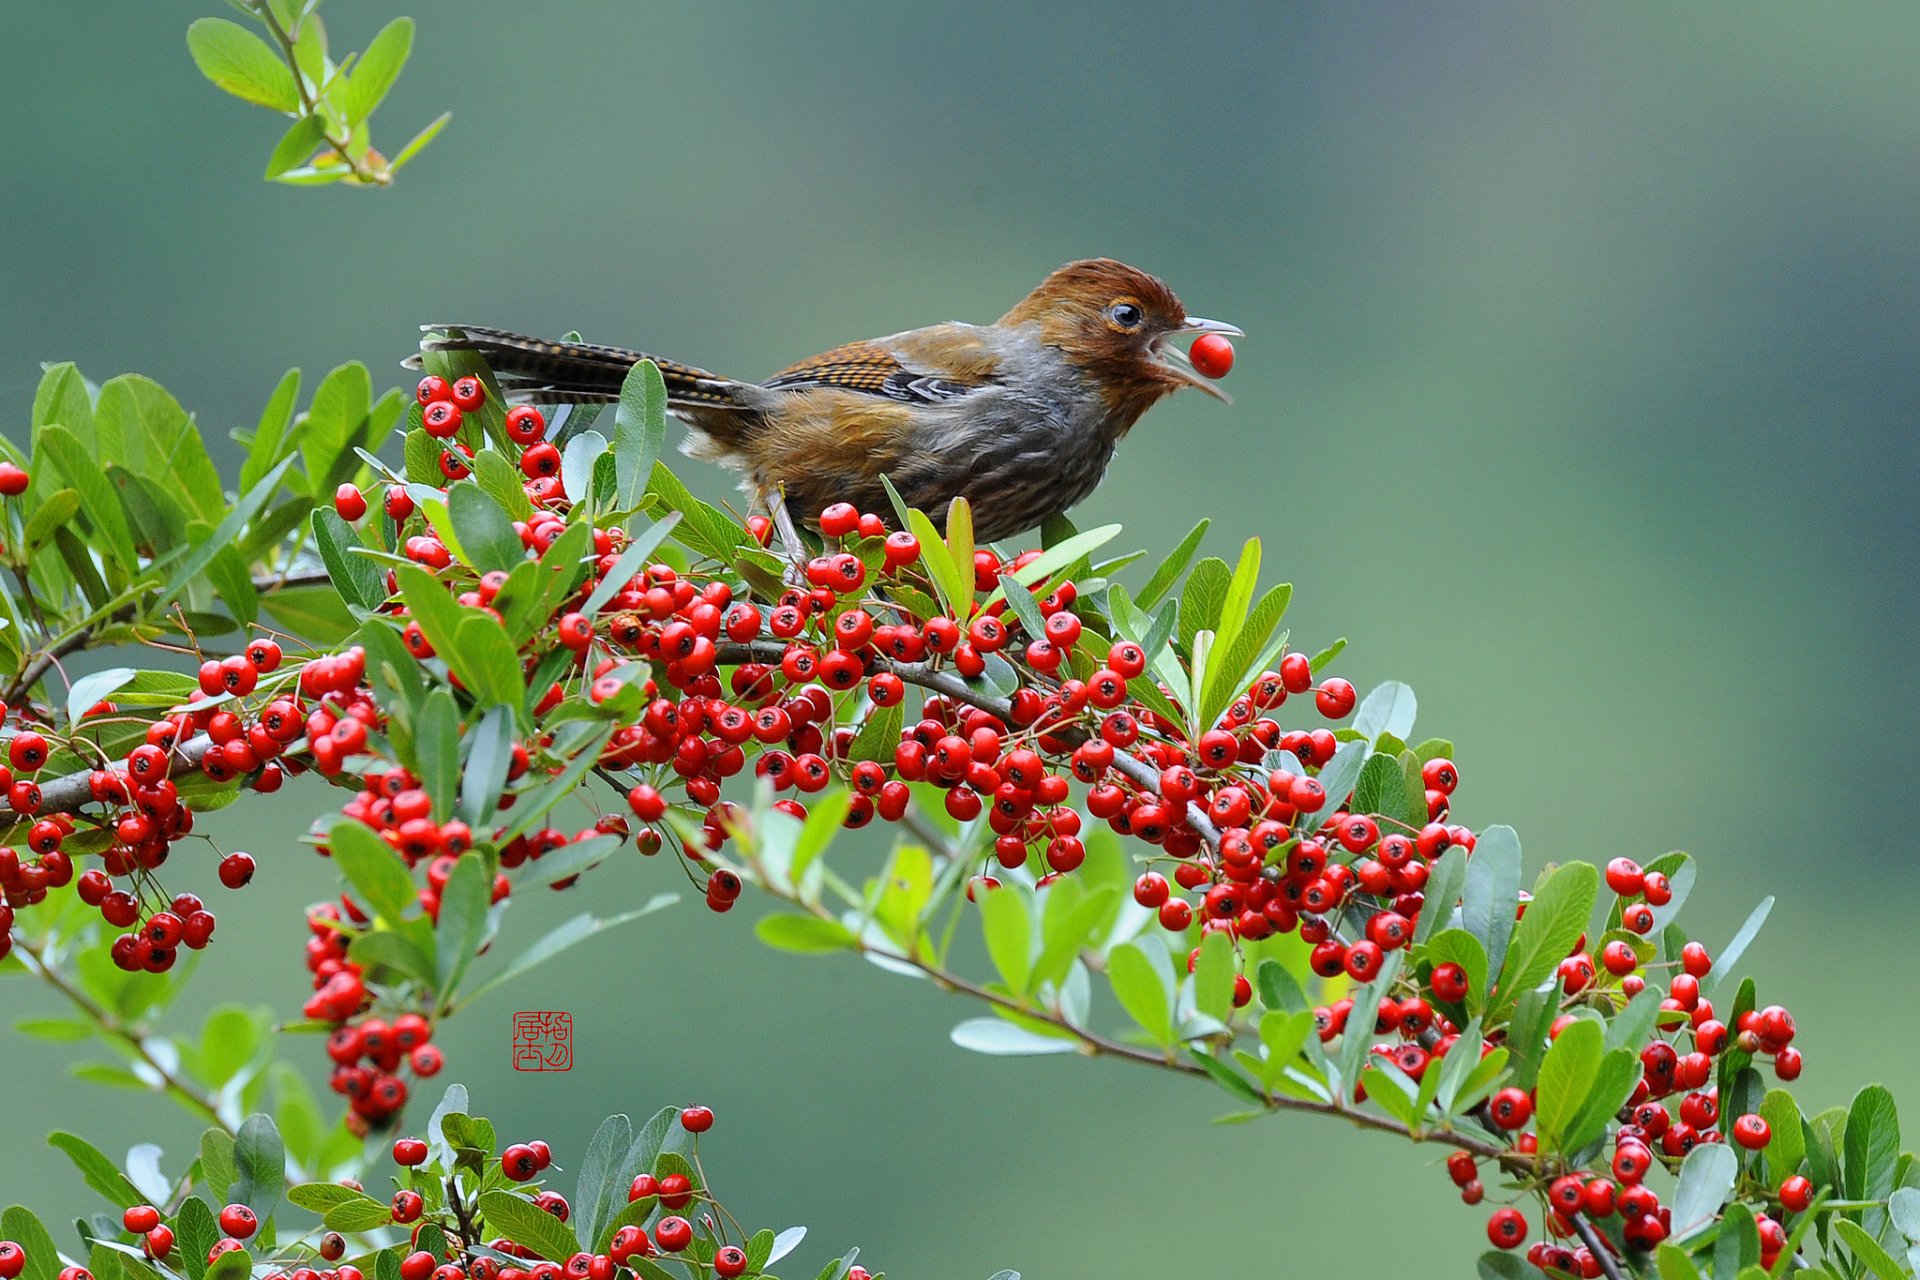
point(534, 369)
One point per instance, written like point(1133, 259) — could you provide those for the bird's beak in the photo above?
point(1175, 359)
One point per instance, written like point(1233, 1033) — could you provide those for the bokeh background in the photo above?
point(1580, 391)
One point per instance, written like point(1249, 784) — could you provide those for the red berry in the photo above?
point(13, 1260)
point(1335, 698)
point(409, 1152)
point(1752, 1132)
point(525, 424)
point(441, 420)
point(431, 388)
point(235, 870)
point(140, 1219)
point(1510, 1108)
point(1796, 1194)
point(697, 1119)
point(519, 1162)
point(673, 1234)
point(729, 1262)
point(1212, 355)
point(349, 502)
point(1506, 1228)
point(13, 481)
point(238, 1221)
point(469, 393)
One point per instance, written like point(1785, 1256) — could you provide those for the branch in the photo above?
point(310, 106)
point(110, 1026)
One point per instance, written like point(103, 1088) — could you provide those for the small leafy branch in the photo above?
point(476, 638)
point(287, 68)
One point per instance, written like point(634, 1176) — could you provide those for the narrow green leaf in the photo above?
point(377, 69)
point(1492, 891)
point(241, 63)
point(96, 1169)
point(296, 146)
point(463, 920)
point(632, 560)
point(527, 1224)
point(562, 937)
point(1144, 988)
point(378, 875)
point(1871, 1145)
point(1788, 1145)
point(1869, 1251)
point(1555, 919)
point(1171, 568)
point(486, 532)
point(419, 141)
point(1567, 1076)
point(804, 935)
point(260, 1166)
point(639, 432)
point(489, 757)
point(358, 579)
point(1007, 922)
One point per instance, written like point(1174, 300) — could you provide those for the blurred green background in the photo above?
point(1579, 390)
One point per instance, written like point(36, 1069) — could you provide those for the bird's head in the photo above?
point(1123, 328)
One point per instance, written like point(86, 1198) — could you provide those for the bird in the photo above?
point(1020, 417)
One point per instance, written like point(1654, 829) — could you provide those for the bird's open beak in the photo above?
point(1174, 357)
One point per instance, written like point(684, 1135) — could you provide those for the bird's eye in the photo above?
point(1126, 315)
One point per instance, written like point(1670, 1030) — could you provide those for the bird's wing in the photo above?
point(925, 366)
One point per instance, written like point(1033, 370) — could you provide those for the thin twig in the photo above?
point(111, 1026)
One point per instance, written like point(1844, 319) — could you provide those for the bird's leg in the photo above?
point(796, 550)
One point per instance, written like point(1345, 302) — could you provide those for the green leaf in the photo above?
point(296, 146)
point(1501, 1266)
point(1871, 1145)
point(463, 920)
point(377, 69)
point(563, 936)
point(632, 560)
point(1024, 606)
point(260, 1166)
point(1613, 1085)
point(639, 432)
point(1251, 648)
point(1213, 977)
point(998, 1037)
point(1868, 1250)
point(1008, 923)
point(1728, 956)
point(316, 614)
point(241, 63)
point(1555, 919)
point(1053, 559)
point(527, 1224)
point(216, 1163)
point(43, 1259)
point(501, 479)
point(96, 1169)
point(1706, 1182)
point(955, 592)
point(489, 758)
point(64, 398)
point(1567, 1076)
point(1340, 774)
point(75, 464)
point(436, 750)
point(1387, 708)
point(1170, 569)
point(1737, 1245)
point(222, 537)
point(1144, 987)
point(378, 874)
point(600, 1193)
point(1630, 1027)
point(419, 141)
point(358, 580)
point(1382, 787)
point(804, 935)
point(1674, 1264)
point(1200, 601)
point(1788, 1145)
point(1492, 892)
point(1445, 882)
point(1283, 1035)
point(486, 534)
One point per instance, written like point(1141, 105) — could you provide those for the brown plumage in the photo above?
point(1020, 417)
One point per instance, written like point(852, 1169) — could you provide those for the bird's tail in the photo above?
point(534, 369)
